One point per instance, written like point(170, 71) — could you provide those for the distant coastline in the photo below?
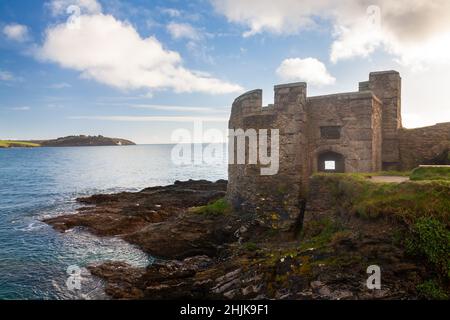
point(69, 141)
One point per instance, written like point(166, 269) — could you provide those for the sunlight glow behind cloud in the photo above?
point(152, 118)
point(416, 32)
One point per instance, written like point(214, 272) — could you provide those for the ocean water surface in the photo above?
point(44, 182)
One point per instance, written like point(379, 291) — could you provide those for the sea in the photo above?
point(37, 262)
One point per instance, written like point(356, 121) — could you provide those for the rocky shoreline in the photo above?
point(235, 256)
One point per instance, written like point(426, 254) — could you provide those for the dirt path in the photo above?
point(389, 179)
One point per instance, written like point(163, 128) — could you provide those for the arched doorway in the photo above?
point(330, 161)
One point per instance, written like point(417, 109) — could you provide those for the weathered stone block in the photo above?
point(371, 134)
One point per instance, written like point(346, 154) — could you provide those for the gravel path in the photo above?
point(391, 179)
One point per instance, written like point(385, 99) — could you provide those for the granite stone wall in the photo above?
point(362, 131)
point(277, 195)
point(386, 85)
point(427, 145)
point(358, 114)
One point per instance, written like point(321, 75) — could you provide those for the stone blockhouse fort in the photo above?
point(347, 132)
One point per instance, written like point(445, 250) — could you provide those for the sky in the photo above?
point(141, 69)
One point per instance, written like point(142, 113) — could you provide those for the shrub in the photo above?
point(431, 290)
point(431, 239)
point(421, 208)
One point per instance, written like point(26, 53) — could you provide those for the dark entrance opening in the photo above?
point(331, 162)
point(442, 159)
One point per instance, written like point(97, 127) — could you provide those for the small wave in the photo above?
point(33, 226)
point(92, 288)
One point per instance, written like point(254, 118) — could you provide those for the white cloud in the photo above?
point(282, 16)
point(21, 108)
point(200, 51)
point(183, 31)
point(416, 32)
point(180, 108)
point(112, 52)
point(16, 32)
point(151, 118)
point(196, 40)
point(61, 85)
point(60, 7)
point(7, 76)
point(360, 36)
point(173, 13)
point(310, 70)
point(425, 96)
point(185, 15)
point(54, 106)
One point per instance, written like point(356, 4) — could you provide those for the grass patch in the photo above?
point(430, 238)
point(383, 173)
point(431, 173)
point(319, 233)
point(374, 174)
point(250, 246)
point(393, 173)
point(432, 291)
point(217, 208)
point(407, 201)
point(422, 207)
point(17, 144)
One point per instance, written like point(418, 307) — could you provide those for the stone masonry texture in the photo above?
point(359, 131)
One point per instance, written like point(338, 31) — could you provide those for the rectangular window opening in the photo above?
point(330, 165)
point(330, 132)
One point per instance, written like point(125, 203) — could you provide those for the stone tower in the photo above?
point(278, 193)
point(387, 86)
point(346, 132)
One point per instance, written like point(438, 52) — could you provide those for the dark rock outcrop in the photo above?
point(235, 256)
point(156, 219)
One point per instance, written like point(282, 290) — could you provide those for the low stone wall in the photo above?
point(320, 196)
point(321, 201)
point(423, 145)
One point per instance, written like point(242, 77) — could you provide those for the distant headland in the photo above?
point(70, 141)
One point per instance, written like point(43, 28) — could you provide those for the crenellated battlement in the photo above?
point(247, 103)
point(285, 96)
point(345, 132)
point(346, 95)
point(249, 95)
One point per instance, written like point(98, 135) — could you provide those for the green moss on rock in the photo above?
point(431, 239)
point(217, 208)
